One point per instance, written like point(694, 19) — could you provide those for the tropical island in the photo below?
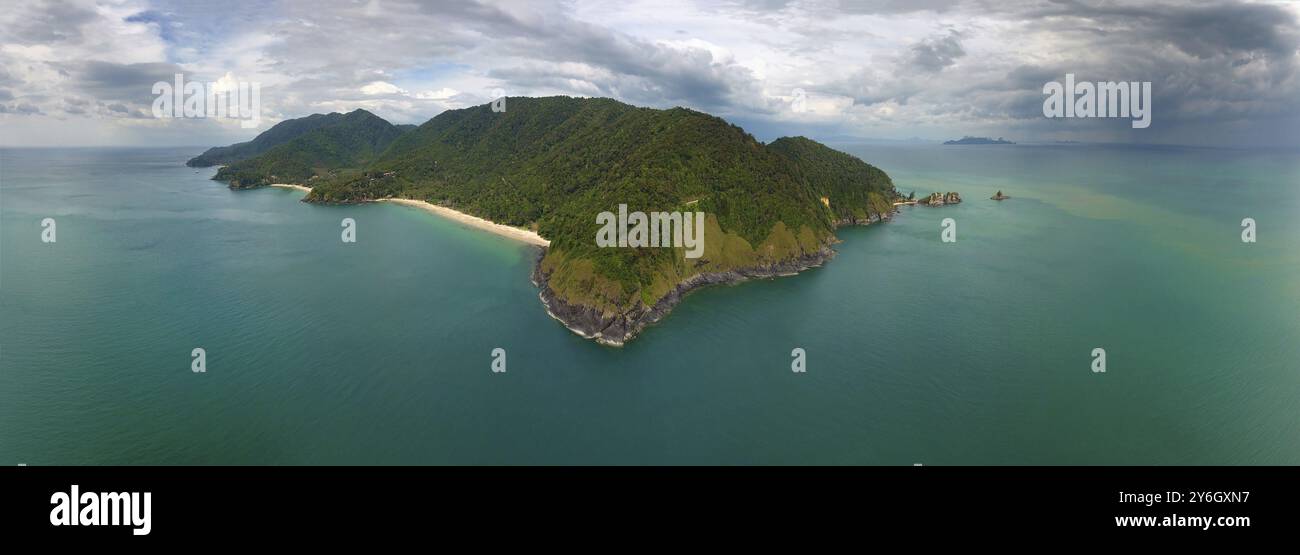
point(549, 166)
point(999, 196)
point(968, 140)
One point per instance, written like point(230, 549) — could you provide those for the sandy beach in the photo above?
point(302, 188)
point(515, 233)
point(518, 234)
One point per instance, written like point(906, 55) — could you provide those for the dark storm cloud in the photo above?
point(529, 46)
point(1202, 30)
point(132, 83)
point(934, 54)
point(1210, 63)
point(644, 71)
point(1206, 61)
point(850, 6)
point(22, 108)
point(894, 6)
point(908, 64)
point(46, 22)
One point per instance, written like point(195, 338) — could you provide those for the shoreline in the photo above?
point(302, 188)
point(511, 232)
point(618, 328)
point(615, 330)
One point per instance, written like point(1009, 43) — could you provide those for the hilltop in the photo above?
point(338, 141)
point(281, 133)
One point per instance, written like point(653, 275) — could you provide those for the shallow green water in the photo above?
point(976, 352)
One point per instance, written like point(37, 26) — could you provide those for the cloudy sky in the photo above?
point(1223, 72)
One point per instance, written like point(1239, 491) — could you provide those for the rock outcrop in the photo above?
point(615, 329)
point(940, 199)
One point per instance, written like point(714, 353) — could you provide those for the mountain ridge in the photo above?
point(278, 134)
point(340, 141)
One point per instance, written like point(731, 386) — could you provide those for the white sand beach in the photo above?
point(518, 234)
point(302, 188)
point(511, 232)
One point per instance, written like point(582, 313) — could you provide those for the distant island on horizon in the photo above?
point(968, 140)
point(549, 165)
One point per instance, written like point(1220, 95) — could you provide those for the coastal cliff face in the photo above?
point(868, 220)
point(616, 328)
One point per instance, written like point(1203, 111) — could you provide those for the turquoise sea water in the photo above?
point(976, 352)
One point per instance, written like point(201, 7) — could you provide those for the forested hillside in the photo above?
point(279, 134)
point(552, 164)
point(342, 141)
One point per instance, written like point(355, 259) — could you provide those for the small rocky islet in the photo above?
point(941, 199)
